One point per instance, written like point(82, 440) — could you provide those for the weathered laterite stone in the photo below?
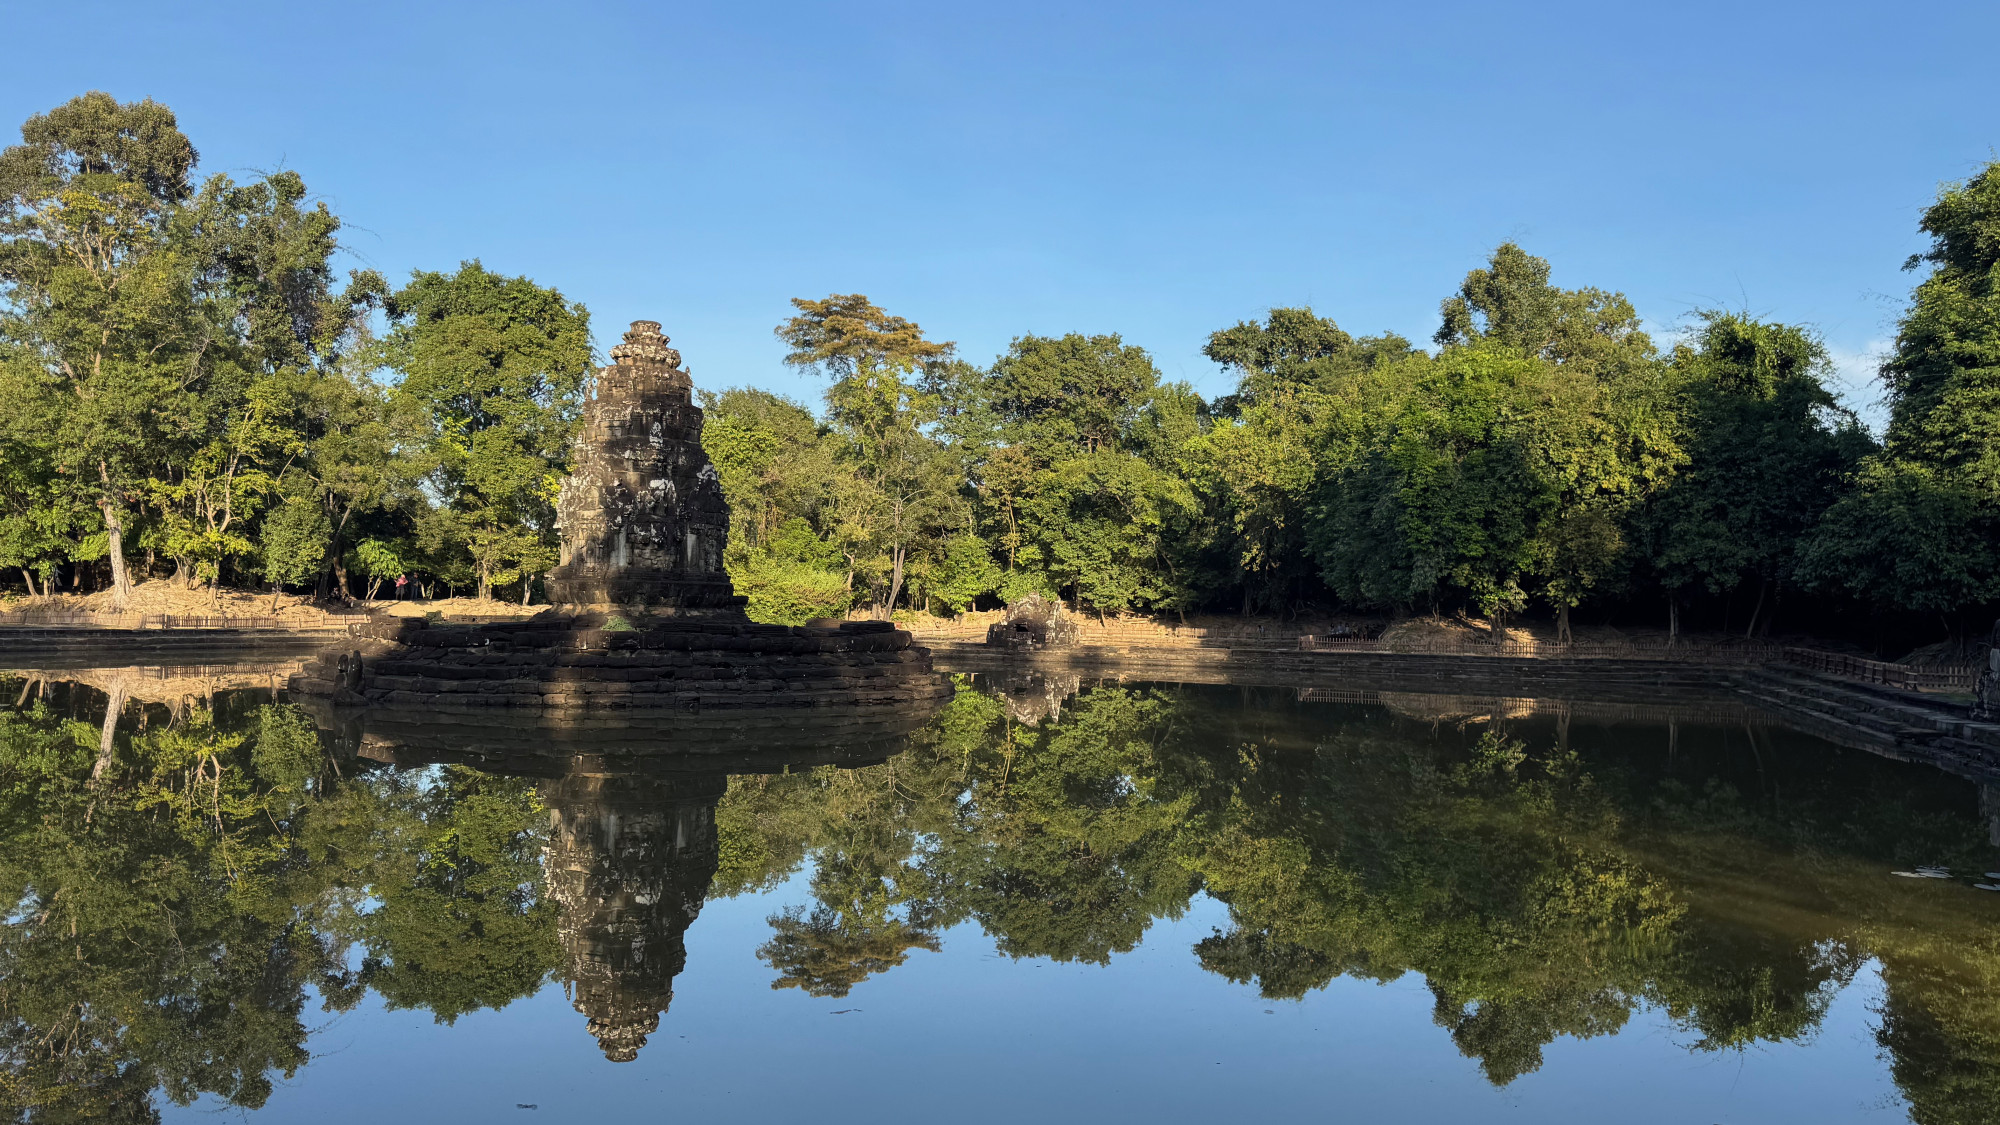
point(642, 516)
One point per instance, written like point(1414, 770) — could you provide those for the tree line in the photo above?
point(192, 391)
point(1545, 452)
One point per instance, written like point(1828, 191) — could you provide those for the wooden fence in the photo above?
point(45, 619)
point(1730, 653)
point(1940, 677)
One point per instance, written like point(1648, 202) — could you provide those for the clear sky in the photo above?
point(1158, 170)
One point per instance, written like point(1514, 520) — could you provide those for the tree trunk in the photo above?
point(1563, 635)
point(895, 584)
point(485, 583)
point(1673, 621)
point(340, 580)
point(337, 559)
point(114, 530)
point(30, 576)
point(527, 587)
point(1763, 587)
point(105, 740)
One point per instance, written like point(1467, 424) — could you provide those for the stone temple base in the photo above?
point(579, 590)
point(684, 663)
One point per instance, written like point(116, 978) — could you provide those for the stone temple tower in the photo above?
point(642, 517)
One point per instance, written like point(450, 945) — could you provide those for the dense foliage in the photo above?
point(188, 388)
point(191, 391)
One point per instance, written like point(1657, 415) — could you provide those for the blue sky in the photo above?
point(1158, 170)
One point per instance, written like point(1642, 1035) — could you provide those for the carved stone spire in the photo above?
point(642, 516)
point(644, 344)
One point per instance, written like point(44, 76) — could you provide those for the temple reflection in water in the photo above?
point(632, 844)
point(629, 862)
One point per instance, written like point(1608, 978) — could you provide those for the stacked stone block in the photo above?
point(669, 664)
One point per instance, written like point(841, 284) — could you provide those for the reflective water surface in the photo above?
point(1051, 899)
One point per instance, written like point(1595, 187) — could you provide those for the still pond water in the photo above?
point(1052, 900)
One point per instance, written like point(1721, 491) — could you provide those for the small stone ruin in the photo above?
point(1034, 622)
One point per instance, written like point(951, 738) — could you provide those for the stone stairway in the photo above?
point(1904, 724)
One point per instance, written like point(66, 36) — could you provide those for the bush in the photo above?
point(787, 592)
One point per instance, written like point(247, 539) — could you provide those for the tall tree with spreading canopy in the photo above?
point(1769, 450)
point(161, 337)
point(1501, 470)
point(495, 367)
point(905, 493)
point(1277, 437)
point(1086, 478)
point(96, 293)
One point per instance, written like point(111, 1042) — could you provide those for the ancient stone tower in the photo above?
point(642, 516)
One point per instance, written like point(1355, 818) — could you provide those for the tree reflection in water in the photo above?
point(1547, 873)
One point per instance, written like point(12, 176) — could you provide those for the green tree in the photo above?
point(100, 299)
point(276, 335)
point(161, 337)
point(378, 561)
point(1277, 438)
point(363, 461)
point(1502, 469)
point(1769, 451)
point(1085, 484)
point(780, 472)
point(41, 521)
point(1944, 375)
point(846, 333)
point(966, 574)
point(495, 367)
point(295, 542)
point(1910, 537)
point(904, 492)
point(1916, 533)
